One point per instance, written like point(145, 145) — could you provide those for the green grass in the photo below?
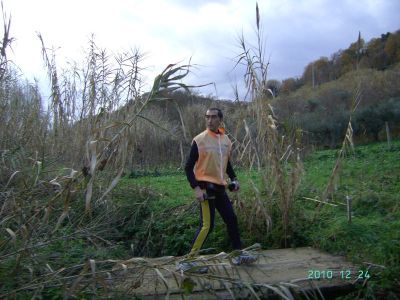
point(170, 200)
point(155, 214)
point(370, 176)
point(170, 190)
point(371, 168)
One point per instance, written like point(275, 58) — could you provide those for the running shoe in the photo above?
point(244, 258)
point(192, 267)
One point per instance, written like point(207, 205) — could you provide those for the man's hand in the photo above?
point(199, 194)
point(234, 186)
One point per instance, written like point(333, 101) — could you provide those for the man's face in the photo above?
point(212, 120)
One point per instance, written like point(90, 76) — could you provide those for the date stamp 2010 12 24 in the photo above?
point(341, 274)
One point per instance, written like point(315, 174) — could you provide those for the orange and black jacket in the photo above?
point(209, 159)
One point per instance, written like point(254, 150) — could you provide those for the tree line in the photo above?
point(87, 100)
point(379, 53)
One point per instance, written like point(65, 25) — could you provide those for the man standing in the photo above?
point(206, 170)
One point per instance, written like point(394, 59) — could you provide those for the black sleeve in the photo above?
point(229, 171)
point(191, 161)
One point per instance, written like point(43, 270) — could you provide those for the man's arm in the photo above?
point(193, 157)
point(230, 172)
point(191, 161)
point(232, 176)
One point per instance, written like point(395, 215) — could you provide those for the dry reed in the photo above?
point(275, 150)
point(41, 207)
point(347, 144)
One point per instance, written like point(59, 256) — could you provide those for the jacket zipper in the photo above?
point(220, 156)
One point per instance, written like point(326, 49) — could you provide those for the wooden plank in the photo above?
point(307, 268)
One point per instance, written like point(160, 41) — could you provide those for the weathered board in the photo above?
point(300, 270)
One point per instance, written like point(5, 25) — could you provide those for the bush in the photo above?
point(370, 120)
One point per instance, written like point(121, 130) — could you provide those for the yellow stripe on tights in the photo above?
point(205, 210)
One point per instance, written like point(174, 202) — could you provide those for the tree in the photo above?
point(392, 48)
point(318, 72)
point(351, 57)
point(274, 86)
point(376, 53)
point(290, 85)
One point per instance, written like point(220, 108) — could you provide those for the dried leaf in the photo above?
point(92, 263)
point(12, 234)
point(11, 177)
point(60, 220)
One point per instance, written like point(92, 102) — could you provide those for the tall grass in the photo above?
point(58, 167)
point(274, 148)
point(347, 144)
point(5, 43)
point(56, 180)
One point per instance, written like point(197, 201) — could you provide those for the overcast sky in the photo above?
point(170, 31)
